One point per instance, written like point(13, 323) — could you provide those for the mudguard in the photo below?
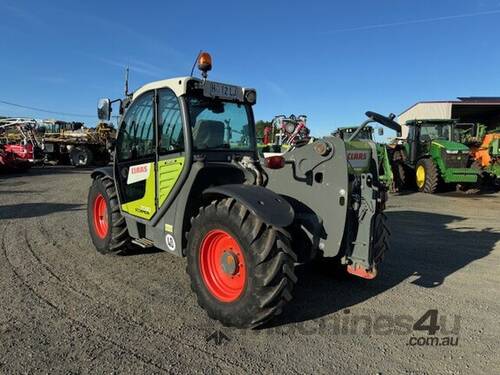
point(105, 171)
point(262, 202)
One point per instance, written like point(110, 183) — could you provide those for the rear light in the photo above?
point(275, 162)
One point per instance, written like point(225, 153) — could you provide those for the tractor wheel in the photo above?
point(241, 269)
point(381, 235)
point(107, 226)
point(399, 173)
point(427, 176)
point(81, 156)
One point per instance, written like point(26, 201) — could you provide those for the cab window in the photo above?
point(169, 122)
point(136, 137)
point(218, 124)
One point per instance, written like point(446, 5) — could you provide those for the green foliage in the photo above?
point(259, 127)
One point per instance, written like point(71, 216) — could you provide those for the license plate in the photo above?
point(223, 91)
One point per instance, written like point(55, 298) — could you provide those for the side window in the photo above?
point(136, 138)
point(169, 122)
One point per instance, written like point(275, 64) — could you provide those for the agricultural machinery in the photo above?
point(366, 134)
point(187, 178)
point(71, 143)
point(434, 155)
point(285, 133)
point(484, 146)
point(19, 147)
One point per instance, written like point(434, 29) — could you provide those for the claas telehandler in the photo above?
point(187, 178)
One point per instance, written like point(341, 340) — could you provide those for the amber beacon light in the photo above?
point(204, 63)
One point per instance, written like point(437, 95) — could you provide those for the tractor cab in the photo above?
point(173, 128)
point(437, 137)
point(345, 132)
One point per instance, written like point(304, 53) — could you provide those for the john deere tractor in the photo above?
point(434, 155)
point(187, 179)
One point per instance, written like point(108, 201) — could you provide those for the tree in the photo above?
point(259, 127)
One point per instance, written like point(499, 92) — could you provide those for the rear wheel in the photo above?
point(427, 176)
point(81, 156)
point(107, 226)
point(241, 269)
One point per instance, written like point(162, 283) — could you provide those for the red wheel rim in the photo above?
point(222, 265)
point(101, 216)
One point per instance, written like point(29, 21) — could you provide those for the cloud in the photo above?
point(135, 66)
point(412, 22)
point(129, 34)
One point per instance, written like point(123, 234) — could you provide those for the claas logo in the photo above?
point(139, 169)
point(357, 155)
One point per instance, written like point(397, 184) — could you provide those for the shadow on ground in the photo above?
point(422, 247)
point(28, 210)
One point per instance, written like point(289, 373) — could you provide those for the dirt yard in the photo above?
point(66, 309)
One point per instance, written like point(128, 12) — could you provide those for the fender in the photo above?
point(262, 202)
point(104, 171)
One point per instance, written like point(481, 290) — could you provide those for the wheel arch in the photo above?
point(103, 171)
point(264, 203)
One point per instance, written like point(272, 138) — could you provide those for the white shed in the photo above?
point(467, 109)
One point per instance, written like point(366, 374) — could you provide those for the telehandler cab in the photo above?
point(187, 179)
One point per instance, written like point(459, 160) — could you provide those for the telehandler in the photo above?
point(187, 178)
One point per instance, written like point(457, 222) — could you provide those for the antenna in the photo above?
point(126, 82)
point(194, 64)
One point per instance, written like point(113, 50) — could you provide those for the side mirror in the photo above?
point(104, 109)
point(381, 131)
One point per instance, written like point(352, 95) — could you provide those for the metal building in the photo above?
point(485, 110)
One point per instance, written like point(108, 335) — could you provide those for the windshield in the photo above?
point(366, 133)
point(218, 124)
point(435, 131)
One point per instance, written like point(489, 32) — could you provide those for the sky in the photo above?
point(330, 60)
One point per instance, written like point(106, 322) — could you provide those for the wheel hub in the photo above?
point(222, 265)
point(229, 262)
point(420, 176)
point(100, 216)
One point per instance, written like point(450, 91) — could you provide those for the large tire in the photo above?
point(381, 235)
point(81, 156)
point(399, 173)
point(107, 226)
point(261, 280)
point(429, 181)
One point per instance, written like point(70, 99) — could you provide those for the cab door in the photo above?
point(171, 154)
point(136, 157)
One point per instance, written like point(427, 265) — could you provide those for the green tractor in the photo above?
point(434, 154)
point(366, 134)
point(187, 179)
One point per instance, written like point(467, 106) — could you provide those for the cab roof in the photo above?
point(177, 85)
point(430, 121)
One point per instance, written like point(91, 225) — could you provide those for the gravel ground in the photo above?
point(66, 309)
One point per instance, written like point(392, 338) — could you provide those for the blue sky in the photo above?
point(331, 60)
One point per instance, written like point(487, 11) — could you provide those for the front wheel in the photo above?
point(107, 226)
point(241, 269)
point(427, 176)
